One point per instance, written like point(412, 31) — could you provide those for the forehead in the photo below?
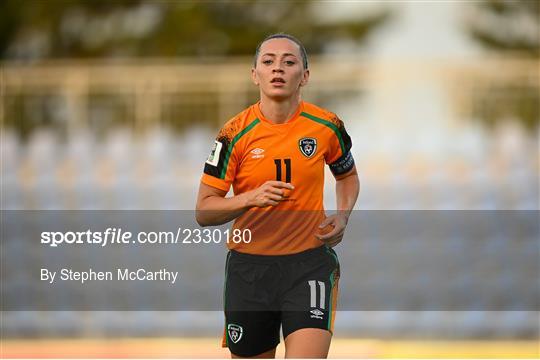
point(280, 46)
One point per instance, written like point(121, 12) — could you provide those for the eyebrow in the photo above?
point(285, 54)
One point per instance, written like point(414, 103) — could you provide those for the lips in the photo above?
point(277, 80)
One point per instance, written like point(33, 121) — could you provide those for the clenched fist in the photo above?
point(271, 193)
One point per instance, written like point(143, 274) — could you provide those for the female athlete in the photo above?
point(273, 154)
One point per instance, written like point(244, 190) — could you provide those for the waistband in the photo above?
point(273, 258)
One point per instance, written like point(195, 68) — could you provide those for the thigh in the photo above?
point(311, 301)
point(308, 343)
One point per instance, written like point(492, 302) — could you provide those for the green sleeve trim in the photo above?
point(231, 146)
point(330, 125)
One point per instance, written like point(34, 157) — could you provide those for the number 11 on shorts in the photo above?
point(313, 292)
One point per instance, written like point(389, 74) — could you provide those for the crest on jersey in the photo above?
point(307, 146)
point(235, 332)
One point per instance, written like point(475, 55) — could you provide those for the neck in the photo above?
point(279, 112)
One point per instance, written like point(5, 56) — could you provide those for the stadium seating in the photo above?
point(396, 297)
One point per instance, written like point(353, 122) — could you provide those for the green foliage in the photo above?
point(99, 28)
point(508, 26)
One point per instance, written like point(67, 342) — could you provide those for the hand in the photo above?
point(271, 193)
point(334, 237)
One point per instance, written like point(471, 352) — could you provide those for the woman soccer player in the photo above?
point(273, 154)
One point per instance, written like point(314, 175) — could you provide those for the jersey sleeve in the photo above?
point(339, 157)
point(221, 165)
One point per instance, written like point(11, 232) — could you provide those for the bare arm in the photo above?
point(347, 189)
point(213, 208)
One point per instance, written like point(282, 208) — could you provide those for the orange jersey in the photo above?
point(251, 150)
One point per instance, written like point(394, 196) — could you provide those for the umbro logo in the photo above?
point(257, 153)
point(316, 314)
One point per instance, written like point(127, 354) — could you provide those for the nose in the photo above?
point(277, 68)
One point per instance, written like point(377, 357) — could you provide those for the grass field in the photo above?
point(210, 348)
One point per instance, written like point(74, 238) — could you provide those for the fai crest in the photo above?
point(308, 146)
point(235, 332)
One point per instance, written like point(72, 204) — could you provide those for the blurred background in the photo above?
point(115, 105)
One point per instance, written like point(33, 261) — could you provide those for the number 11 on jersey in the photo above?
point(287, 169)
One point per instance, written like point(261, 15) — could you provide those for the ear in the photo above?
point(254, 77)
point(305, 78)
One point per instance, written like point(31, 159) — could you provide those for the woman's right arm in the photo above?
point(213, 208)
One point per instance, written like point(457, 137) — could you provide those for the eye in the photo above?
point(267, 62)
point(290, 62)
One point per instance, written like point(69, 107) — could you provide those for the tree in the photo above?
point(508, 27)
point(37, 29)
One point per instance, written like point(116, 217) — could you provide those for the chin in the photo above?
point(279, 95)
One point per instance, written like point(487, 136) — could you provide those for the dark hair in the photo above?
point(303, 52)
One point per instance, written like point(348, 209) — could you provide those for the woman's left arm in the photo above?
point(347, 189)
